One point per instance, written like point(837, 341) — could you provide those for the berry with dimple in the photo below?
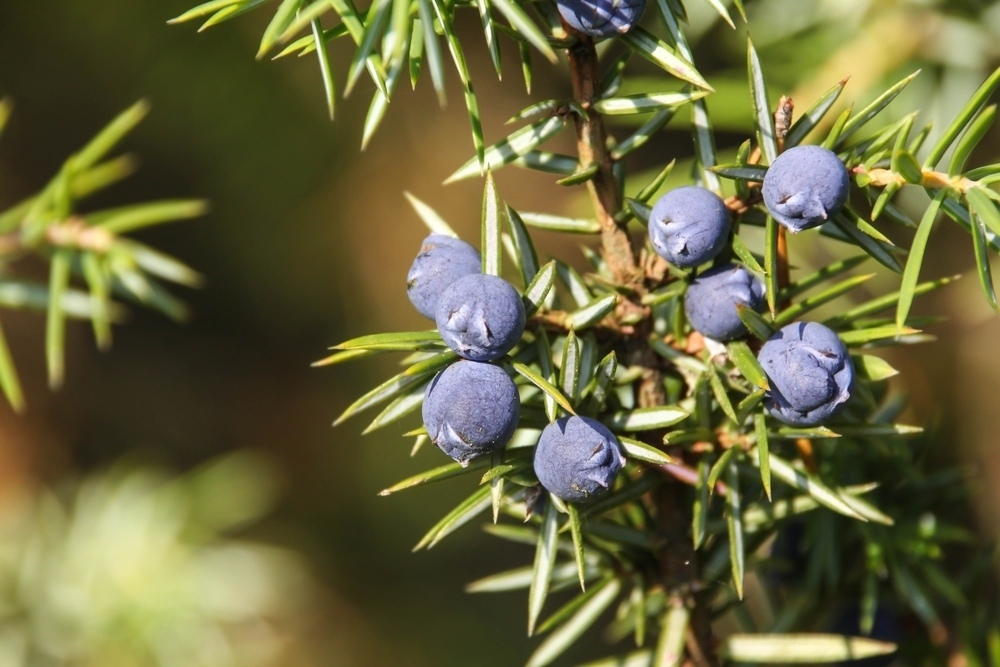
point(711, 300)
point(689, 226)
point(442, 260)
point(601, 18)
point(809, 371)
point(480, 317)
point(577, 458)
point(805, 187)
point(471, 409)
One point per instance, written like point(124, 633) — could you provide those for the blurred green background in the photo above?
point(307, 243)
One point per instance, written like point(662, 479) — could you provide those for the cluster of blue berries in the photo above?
point(808, 367)
point(472, 407)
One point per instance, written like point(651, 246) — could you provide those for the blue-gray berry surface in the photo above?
point(480, 317)
point(601, 18)
point(442, 260)
point(805, 186)
point(689, 226)
point(712, 297)
point(809, 372)
point(470, 409)
point(577, 458)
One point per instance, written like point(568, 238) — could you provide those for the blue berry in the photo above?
point(809, 371)
point(442, 261)
point(601, 18)
point(480, 317)
point(712, 297)
point(805, 187)
point(470, 409)
point(689, 226)
point(577, 458)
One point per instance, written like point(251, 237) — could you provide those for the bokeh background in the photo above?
point(307, 243)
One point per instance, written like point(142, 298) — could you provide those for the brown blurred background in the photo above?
point(308, 242)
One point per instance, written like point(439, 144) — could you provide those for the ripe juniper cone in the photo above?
point(442, 261)
point(689, 226)
point(470, 409)
point(480, 317)
point(601, 18)
point(805, 186)
point(809, 371)
point(712, 297)
point(577, 458)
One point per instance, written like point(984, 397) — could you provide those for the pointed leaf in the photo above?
point(646, 102)
point(599, 599)
point(545, 560)
point(911, 273)
point(538, 288)
point(9, 381)
point(813, 115)
point(661, 54)
point(763, 452)
point(961, 120)
point(640, 451)
point(513, 146)
point(547, 387)
point(493, 210)
point(796, 311)
point(735, 526)
point(526, 27)
point(55, 324)
point(874, 108)
point(576, 529)
point(399, 340)
point(592, 313)
point(746, 361)
point(437, 474)
point(467, 510)
point(645, 419)
point(802, 648)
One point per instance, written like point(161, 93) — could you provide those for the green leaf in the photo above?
point(702, 500)
point(603, 377)
point(977, 129)
point(670, 647)
point(380, 99)
point(748, 173)
point(877, 105)
point(553, 163)
point(437, 474)
point(905, 164)
point(881, 303)
point(580, 177)
point(911, 274)
point(432, 48)
point(820, 276)
point(526, 27)
point(816, 489)
point(548, 372)
point(493, 211)
point(645, 132)
point(983, 269)
point(398, 408)
point(520, 578)
point(704, 144)
point(592, 313)
point(797, 310)
point(398, 384)
point(325, 70)
point(645, 419)
point(872, 368)
point(746, 361)
point(282, 18)
point(435, 223)
point(879, 251)
point(490, 34)
point(538, 288)
point(397, 340)
point(641, 451)
point(512, 147)
point(755, 322)
point(719, 467)
point(305, 16)
point(961, 120)
point(735, 526)
point(801, 648)
point(646, 102)
point(984, 207)
point(661, 54)
point(761, 107)
point(599, 599)
point(558, 223)
point(877, 430)
point(137, 216)
point(203, 9)
point(576, 530)
point(813, 115)
point(720, 392)
point(524, 249)
point(547, 387)
point(763, 452)
point(859, 337)
point(574, 281)
point(55, 323)
point(545, 560)
point(569, 368)
point(467, 510)
point(654, 185)
point(9, 381)
point(771, 263)
point(112, 133)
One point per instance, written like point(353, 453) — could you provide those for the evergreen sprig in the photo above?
point(844, 524)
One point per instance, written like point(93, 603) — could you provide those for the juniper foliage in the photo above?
point(842, 525)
